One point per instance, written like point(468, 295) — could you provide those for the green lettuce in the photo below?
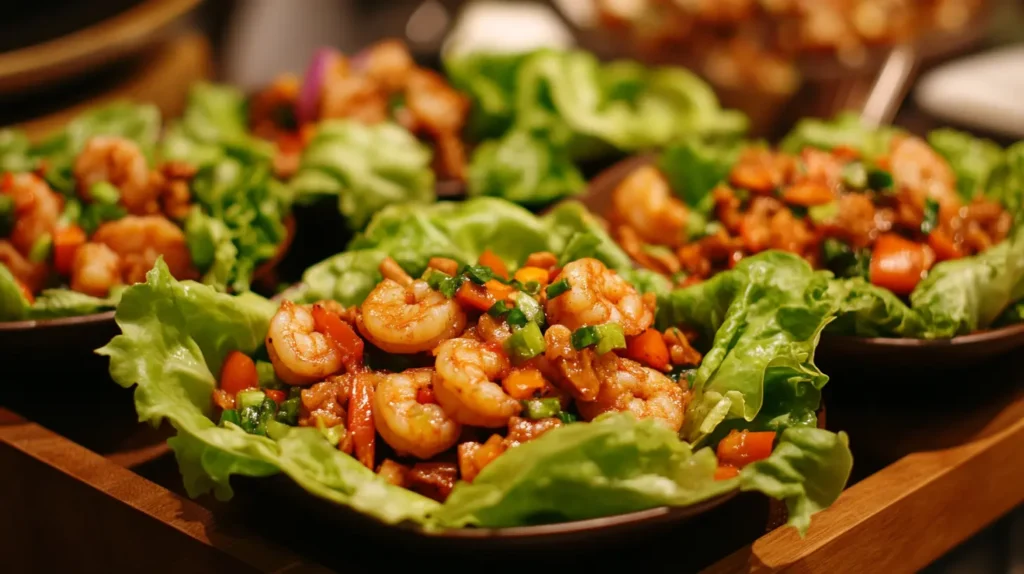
point(525, 169)
point(693, 168)
point(51, 303)
point(364, 168)
point(176, 335)
point(845, 129)
point(764, 318)
point(213, 126)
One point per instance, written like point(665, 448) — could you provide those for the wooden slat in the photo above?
point(907, 515)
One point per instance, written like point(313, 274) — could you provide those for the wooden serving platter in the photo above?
point(934, 463)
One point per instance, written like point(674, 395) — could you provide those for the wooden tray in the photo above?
point(932, 468)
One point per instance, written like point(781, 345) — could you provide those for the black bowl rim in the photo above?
point(28, 324)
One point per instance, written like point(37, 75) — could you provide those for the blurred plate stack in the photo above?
point(60, 57)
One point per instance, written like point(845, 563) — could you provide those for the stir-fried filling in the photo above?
point(122, 217)
point(888, 221)
point(379, 84)
point(432, 378)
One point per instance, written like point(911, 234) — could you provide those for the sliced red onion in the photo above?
point(308, 103)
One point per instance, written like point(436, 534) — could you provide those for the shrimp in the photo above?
point(597, 296)
point(120, 162)
point(640, 390)
point(422, 430)
point(140, 240)
point(409, 320)
point(579, 372)
point(32, 275)
point(300, 354)
point(645, 203)
point(36, 209)
point(922, 172)
point(465, 387)
point(95, 269)
point(389, 63)
point(491, 330)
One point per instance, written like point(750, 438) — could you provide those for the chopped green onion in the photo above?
point(498, 310)
point(683, 375)
point(295, 392)
point(229, 416)
point(584, 337)
point(526, 343)
point(531, 287)
point(610, 337)
point(104, 193)
point(277, 429)
point(855, 175)
point(267, 376)
point(530, 308)
point(557, 288)
point(516, 318)
point(332, 434)
point(879, 179)
point(41, 249)
point(72, 212)
point(478, 274)
point(823, 213)
point(288, 413)
point(931, 216)
point(567, 417)
point(6, 214)
point(541, 408)
point(249, 398)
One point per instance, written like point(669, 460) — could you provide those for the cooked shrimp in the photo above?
point(579, 372)
point(917, 168)
point(640, 390)
point(465, 387)
point(491, 330)
point(95, 269)
point(119, 162)
point(140, 240)
point(597, 296)
point(645, 202)
point(36, 209)
point(299, 353)
point(422, 430)
point(409, 320)
point(32, 275)
point(389, 63)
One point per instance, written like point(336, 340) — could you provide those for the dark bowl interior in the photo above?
point(66, 339)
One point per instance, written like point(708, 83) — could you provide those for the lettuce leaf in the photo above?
point(693, 168)
point(765, 317)
point(213, 126)
point(51, 303)
point(13, 304)
point(525, 169)
point(845, 129)
point(365, 168)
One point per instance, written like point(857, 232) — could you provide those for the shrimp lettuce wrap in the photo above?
point(539, 112)
point(474, 365)
point(920, 235)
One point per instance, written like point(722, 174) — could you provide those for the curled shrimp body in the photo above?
point(95, 270)
point(120, 162)
point(598, 296)
point(140, 240)
point(410, 319)
point(639, 390)
point(422, 430)
point(465, 387)
point(36, 209)
point(299, 353)
point(646, 204)
point(922, 172)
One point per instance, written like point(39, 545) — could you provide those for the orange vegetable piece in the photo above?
point(740, 448)
point(943, 246)
point(276, 395)
point(489, 259)
point(725, 472)
point(808, 194)
point(523, 384)
point(344, 337)
point(66, 242)
point(474, 296)
point(526, 274)
point(498, 290)
point(238, 373)
point(649, 348)
point(898, 264)
point(360, 420)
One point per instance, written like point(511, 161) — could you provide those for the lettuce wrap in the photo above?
point(538, 112)
point(176, 335)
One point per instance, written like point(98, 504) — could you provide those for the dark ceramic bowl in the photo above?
point(839, 349)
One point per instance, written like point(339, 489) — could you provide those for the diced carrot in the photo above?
point(26, 292)
point(474, 296)
point(393, 472)
point(7, 182)
point(898, 264)
point(489, 259)
point(943, 246)
point(473, 456)
point(725, 472)
point(238, 373)
point(223, 400)
point(526, 274)
point(740, 448)
point(649, 348)
point(542, 259)
point(498, 290)
point(360, 420)
point(341, 334)
point(66, 242)
point(425, 396)
point(523, 384)
point(808, 194)
point(276, 395)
